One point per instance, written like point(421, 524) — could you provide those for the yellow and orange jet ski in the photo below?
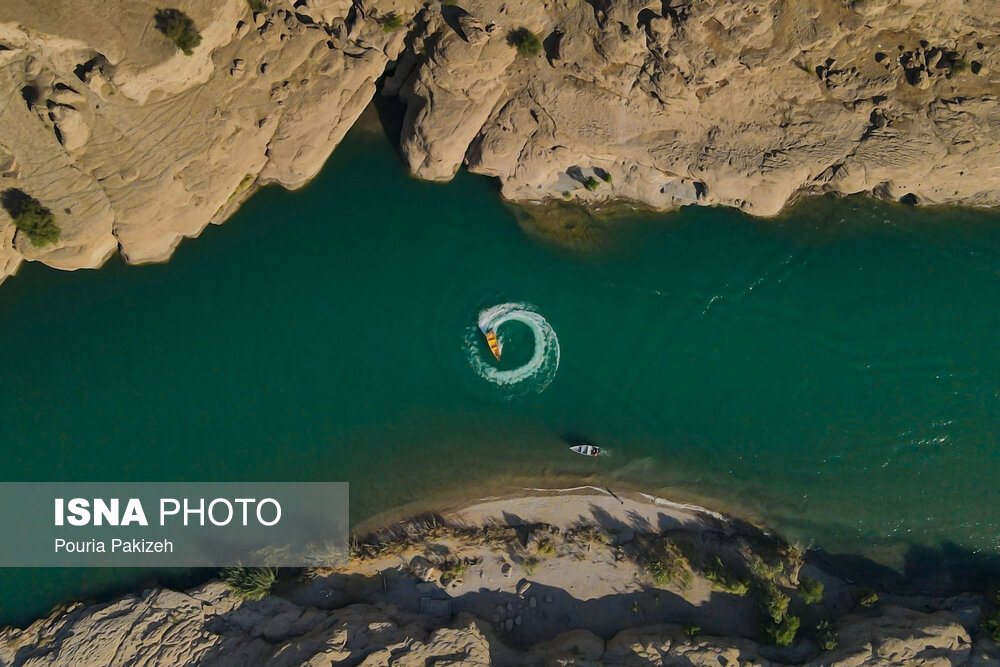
point(491, 339)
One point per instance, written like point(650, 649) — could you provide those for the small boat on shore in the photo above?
point(586, 450)
point(491, 339)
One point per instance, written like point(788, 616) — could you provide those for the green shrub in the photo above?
point(691, 629)
point(774, 603)
point(178, 28)
point(526, 42)
point(606, 177)
point(670, 568)
point(249, 583)
point(779, 625)
point(453, 570)
point(826, 636)
point(721, 579)
point(868, 599)
point(991, 626)
point(591, 183)
point(257, 6)
point(810, 590)
point(955, 62)
point(31, 218)
point(783, 632)
point(763, 571)
point(392, 22)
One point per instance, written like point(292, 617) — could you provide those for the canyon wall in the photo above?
point(133, 145)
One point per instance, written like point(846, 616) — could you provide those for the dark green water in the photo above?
point(835, 373)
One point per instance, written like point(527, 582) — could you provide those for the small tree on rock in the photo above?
point(526, 42)
point(31, 218)
point(178, 28)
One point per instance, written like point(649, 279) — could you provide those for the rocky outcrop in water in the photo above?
point(133, 145)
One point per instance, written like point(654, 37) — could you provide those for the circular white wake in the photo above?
point(535, 374)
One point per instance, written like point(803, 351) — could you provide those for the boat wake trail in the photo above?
point(531, 377)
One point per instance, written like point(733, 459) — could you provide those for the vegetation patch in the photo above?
point(810, 590)
point(257, 6)
point(724, 581)
point(591, 183)
point(667, 566)
point(31, 218)
point(249, 583)
point(826, 636)
point(452, 570)
point(779, 625)
point(178, 28)
point(765, 571)
point(391, 22)
point(526, 42)
point(868, 599)
point(783, 632)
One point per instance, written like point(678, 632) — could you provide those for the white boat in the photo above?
point(586, 450)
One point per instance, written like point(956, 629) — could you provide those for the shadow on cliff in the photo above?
point(540, 613)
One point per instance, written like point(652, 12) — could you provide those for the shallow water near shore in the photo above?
point(834, 373)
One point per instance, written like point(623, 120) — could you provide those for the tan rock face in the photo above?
point(743, 103)
point(134, 145)
point(206, 626)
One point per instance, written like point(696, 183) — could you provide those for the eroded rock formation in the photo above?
point(747, 103)
point(207, 626)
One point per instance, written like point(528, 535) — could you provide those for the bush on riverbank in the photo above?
point(826, 636)
point(666, 564)
point(249, 583)
point(868, 599)
point(783, 632)
point(810, 590)
point(31, 218)
point(762, 570)
point(178, 28)
point(723, 580)
point(779, 625)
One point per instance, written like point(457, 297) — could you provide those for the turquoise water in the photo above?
point(835, 373)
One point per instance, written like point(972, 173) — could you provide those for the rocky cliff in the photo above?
point(207, 626)
point(608, 579)
point(133, 145)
